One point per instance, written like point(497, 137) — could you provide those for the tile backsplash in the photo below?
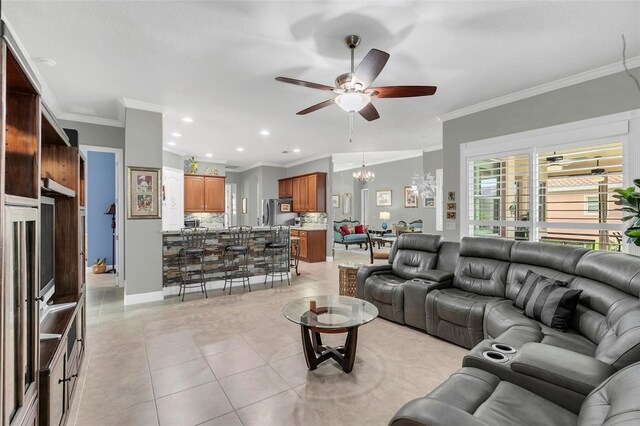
point(313, 218)
point(209, 220)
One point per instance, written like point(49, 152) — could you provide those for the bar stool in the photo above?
point(192, 253)
point(238, 248)
point(276, 254)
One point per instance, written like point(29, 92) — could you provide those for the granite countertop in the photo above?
point(217, 230)
point(314, 227)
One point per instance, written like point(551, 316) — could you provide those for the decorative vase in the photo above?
point(384, 226)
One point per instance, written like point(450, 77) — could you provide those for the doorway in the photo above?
point(104, 206)
point(364, 206)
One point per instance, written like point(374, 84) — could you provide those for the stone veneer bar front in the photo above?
point(215, 243)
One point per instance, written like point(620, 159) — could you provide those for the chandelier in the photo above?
point(424, 185)
point(363, 176)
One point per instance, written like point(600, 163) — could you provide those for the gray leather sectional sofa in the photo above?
point(465, 293)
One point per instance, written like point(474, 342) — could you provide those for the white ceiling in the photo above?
point(354, 160)
point(216, 62)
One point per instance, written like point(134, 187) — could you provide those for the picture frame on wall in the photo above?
point(430, 202)
point(451, 206)
point(451, 215)
point(383, 198)
point(410, 198)
point(335, 201)
point(244, 206)
point(285, 207)
point(144, 191)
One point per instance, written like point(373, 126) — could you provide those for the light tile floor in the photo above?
point(235, 360)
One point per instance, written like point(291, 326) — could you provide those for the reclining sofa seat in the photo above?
point(472, 397)
point(606, 322)
point(411, 256)
point(456, 314)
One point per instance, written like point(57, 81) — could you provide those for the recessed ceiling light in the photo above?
point(176, 134)
point(187, 120)
point(208, 154)
point(239, 149)
point(48, 62)
point(171, 143)
point(296, 150)
point(264, 132)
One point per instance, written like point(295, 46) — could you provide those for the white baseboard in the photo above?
point(219, 284)
point(134, 299)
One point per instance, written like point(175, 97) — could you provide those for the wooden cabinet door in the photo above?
point(312, 188)
point(214, 194)
point(304, 245)
point(194, 193)
point(295, 192)
point(304, 194)
point(288, 188)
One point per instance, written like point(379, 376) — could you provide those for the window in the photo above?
point(591, 204)
point(570, 201)
point(499, 196)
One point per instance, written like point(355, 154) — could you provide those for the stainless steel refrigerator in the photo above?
point(272, 213)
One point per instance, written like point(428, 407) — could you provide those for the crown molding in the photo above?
point(306, 160)
point(543, 88)
point(254, 165)
point(406, 156)
point(146, 106)
point(89, 119)
point(174, 151)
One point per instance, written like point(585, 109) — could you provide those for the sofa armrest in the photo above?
point(564, 368)
point(435, 275)
point(415, 294)
point(365, 272)
point(429, 411)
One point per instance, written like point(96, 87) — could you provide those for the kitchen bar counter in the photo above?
point(215, 243)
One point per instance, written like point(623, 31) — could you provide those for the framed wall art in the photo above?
point(144, 193)
point(410, 198)
point(383, 198)
point(285, 207)
point(335, 201)
point(430, 202)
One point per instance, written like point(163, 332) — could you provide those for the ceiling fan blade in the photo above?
point(369, 112)
point(370, 67)
point(304, 83)
point(316, 107)
point(403, 91)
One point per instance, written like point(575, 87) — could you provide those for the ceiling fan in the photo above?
point(353, 89)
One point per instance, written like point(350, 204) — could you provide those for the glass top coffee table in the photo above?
point(329, 314)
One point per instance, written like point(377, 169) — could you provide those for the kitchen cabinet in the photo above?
point(214, 195)
point(285, 188)
point(309, 193)
point(313, 244)
point(204, 194)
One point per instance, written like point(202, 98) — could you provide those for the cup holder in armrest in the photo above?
point(495, 356)
point(505, 349)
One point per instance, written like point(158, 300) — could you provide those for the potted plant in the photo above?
point(193, 166)
point(629, 199)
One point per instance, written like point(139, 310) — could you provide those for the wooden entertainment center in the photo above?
point(42, 345)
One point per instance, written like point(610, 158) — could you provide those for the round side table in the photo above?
point(347, 278)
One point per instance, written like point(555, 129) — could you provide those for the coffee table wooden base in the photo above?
point(315, 352)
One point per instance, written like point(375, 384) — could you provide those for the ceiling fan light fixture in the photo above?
point(352, 101)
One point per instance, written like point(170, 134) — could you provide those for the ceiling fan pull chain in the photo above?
point(351, 126)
